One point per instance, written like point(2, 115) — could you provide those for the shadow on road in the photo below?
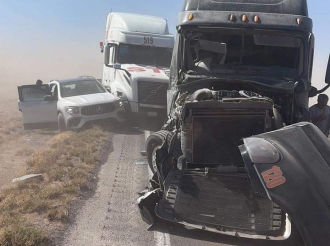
point(129, 127)
point(151, 124)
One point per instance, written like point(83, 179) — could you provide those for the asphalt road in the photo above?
point(111, 216)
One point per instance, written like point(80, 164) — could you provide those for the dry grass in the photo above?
point(67, 168)
point(15, 125)
point(24, 152)
point(11, 130)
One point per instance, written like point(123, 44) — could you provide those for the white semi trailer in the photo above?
point(137, 56)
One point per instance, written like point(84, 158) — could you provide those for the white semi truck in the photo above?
point(137, 56)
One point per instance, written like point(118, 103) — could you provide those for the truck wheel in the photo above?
point(61, 122)
point(154, 142)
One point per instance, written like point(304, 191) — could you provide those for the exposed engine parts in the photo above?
point(207, 94)
point(222, 98)
point(201, 149)
point(213, 122)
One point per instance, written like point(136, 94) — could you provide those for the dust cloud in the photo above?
point(24, 64)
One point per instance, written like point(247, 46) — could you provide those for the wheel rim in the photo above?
point(153, 158)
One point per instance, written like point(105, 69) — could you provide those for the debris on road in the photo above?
point(141, 163)
point(146, 204)
point(25, 177)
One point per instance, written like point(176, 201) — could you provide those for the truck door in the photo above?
point(38, 107)
point(109, 72)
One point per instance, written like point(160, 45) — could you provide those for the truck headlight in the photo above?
point(261, 151)
point(119, 104)
point(72, 110)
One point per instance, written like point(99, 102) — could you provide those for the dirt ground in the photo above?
point(16, 145)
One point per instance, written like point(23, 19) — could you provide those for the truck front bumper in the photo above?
point(139, 110)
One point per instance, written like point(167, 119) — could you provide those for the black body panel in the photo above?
point(305, 167)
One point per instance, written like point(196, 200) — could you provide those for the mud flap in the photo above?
point(291, 167)
point(147, 203)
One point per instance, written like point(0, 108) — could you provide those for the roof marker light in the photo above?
point(299, 21)
point(256, 19)
point(232, 18)
point(244, 18)
point(191, 16)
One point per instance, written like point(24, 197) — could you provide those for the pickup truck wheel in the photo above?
point(154, 142)
point(61, 123)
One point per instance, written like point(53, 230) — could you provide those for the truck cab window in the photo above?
point(216, 51)
point(146, 55)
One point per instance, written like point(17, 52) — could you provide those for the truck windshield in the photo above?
point(208, 51)
point(144, 55)
point(78, 88)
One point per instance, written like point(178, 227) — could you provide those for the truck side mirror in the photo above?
point(312, 92)
point(327, 76)
point(107, 55)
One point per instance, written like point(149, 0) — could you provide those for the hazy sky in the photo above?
point(50, 39)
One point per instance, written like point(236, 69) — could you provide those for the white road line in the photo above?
point(147, 134)
point(161, 239)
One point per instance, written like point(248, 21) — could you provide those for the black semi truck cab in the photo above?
point(239, 69)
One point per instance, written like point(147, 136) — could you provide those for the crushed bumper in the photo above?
point(224, 204)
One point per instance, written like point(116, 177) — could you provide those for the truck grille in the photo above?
point(152, 92)
point(212, 134)
point(98, 109)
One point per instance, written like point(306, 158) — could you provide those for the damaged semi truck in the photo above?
point(237, 155)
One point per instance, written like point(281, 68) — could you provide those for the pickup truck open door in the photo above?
point(38, 107)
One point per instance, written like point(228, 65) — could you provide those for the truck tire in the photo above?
point(154, 141)
point(61, 122)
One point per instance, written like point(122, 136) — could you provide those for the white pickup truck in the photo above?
point(137, 55)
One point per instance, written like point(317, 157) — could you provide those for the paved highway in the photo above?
point(111, 216)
